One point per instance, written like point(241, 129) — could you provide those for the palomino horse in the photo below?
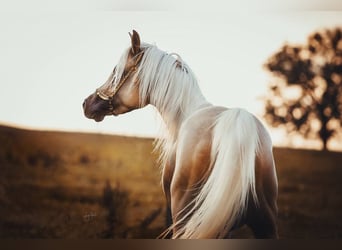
point(218, 171)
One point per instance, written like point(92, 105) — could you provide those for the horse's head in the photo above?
point(120, 93)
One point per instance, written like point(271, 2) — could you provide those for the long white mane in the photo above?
point(169, 84)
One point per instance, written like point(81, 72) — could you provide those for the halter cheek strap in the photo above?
point(117, 87)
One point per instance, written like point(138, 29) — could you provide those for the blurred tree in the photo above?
point(307, 96)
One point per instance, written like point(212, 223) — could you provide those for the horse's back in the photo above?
point(193, 166)
point(195, 140)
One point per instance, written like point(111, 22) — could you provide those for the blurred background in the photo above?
point(64, 176)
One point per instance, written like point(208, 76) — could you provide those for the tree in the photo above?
point(306, 97)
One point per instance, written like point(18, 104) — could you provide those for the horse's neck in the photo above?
point(173, 119)
point(167, 142)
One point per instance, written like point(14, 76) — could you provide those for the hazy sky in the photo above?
point(51, 61)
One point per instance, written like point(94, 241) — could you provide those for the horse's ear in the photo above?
point(135, 40)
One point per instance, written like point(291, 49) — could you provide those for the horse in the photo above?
point(218, 171)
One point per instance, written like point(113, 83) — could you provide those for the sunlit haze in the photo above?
point(51, 61)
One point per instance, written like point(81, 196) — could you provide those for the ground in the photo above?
point(77, 185)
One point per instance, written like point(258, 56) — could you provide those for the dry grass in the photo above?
point(310, 201)
point(73, 185)
point(52, 185)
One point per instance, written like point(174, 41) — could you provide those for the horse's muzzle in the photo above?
point(94, 108)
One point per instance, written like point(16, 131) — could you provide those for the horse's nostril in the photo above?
point(84, 103)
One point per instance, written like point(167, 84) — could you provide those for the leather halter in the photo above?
point(117, 87)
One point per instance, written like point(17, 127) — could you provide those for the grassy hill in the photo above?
point(77, 185)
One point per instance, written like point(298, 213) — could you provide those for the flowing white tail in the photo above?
point(224, 196)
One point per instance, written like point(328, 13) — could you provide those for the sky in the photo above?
point(51, 60)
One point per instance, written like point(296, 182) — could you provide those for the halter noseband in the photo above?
point(117, 87)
